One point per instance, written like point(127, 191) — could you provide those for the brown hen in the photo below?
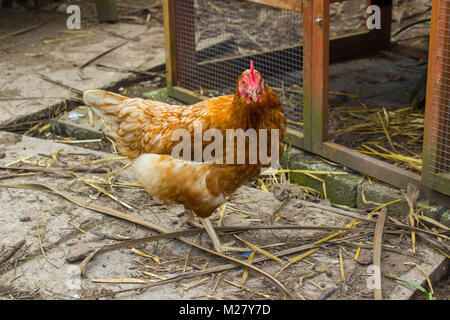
point(148, 132)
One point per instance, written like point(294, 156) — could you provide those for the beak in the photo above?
point(253, 94)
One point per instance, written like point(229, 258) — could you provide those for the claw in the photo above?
point(215, 239)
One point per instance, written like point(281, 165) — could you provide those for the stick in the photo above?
point(41, 246)
point(80, 68)
point(144, 73)
point(279, 208)
point(58, 171)
point(441, 245)
point(377, 245)
point(59, 83)
point(31, 98)
point(23, 30)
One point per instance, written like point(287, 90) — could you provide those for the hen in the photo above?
point(144, 131)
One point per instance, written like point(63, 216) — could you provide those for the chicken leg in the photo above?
point(215, 239)
point(189, 218)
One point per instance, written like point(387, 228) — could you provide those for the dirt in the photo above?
point(248, 206)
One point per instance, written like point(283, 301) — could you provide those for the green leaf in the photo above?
point(415, 285)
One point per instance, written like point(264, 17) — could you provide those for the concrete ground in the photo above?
point(66, 228)
point(24, 57)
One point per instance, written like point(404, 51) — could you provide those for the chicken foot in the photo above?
point(189, 218)
point(215, 239)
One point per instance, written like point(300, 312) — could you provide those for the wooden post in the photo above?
point(307, 73)
point(169, 39)
point(320, 70)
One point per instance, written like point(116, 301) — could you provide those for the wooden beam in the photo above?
point(169, 40)
point(296, 5)
point(380, 170)
point(307, 73)
point(295, 138)
point(320, 73)
point(410, 52)
point(185, 95)
point(352, 46)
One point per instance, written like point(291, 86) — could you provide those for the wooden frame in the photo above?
point(436, 82)
point(318, 51)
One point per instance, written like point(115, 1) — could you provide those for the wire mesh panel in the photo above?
point(377, 108)
point(438, 108)
point(216, 39)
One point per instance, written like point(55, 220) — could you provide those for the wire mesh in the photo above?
point(440, 110)
point(216, 39)
point(376, 99)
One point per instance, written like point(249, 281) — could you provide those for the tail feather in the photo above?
point(108, 105)
point(137, 125)
point(101, 99)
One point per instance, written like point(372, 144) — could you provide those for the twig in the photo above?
point(341, 263)
point(441, 245)
point(362, 218)
point(279, 208)
point(31, 98)
point(84, 65)
point(338, 211)
point(59, 171)
point(377, 245)
point(10, 176)
point(59, 83)
point(412, 193)
point(22, 30)
point(41, 246)
point(144, 73)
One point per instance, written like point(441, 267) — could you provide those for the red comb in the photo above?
point(252, 71)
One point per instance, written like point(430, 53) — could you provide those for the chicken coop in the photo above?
point(297, 47)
